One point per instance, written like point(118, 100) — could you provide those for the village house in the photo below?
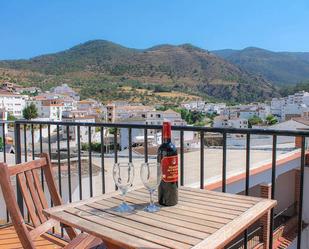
point(224, 122)
point(65, 90)
point(13, 103)
point(119, 112)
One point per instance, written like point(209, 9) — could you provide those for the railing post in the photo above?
point(202, 185)
point(301, 193)
point(17, 161)
point(273, 187)
point(224, 162)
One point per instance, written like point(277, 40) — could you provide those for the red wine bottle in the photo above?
point(167, 156)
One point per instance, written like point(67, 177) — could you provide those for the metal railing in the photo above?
point(21, 127)
point(253, 239)
point(284, 216)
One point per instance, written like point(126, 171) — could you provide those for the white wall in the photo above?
point(263, 177)
point(305, 233)
point(285, 190)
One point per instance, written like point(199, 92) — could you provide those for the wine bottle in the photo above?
point(167, 156)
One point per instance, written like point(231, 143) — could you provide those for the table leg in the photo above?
point(265, 223)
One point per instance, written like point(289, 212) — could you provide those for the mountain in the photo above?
point(102, 64)
point(281, 68)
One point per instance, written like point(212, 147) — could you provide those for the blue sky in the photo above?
point(33, 27)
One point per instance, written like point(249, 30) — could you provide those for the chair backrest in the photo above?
point(33, 195)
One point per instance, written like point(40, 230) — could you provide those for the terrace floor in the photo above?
point(10, 240)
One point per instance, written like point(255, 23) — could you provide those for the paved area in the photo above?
point(212, 168)
point(236, 161)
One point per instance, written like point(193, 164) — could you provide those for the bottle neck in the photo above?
point(166, 140)
point(167, 132)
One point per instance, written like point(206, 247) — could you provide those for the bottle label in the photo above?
point(170, 168)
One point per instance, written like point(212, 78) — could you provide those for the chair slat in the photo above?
point(28, 200)
point(19, 168)
point(11, 203)
point(34, 194)
point(54, 194)
point(39, 188)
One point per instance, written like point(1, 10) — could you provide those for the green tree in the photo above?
point(191, 117)
point(30, 112)
point(11, 117)
point(271, 119)
point(255, 120)
point(112, 130)
point(196, 117)
point(200, 123)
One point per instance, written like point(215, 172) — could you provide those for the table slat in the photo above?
point(181, 235)
point(109, 235)
point(98, 221)
point(198, 231)
point(221, 194)
point(157, 217)
point(210, 213)
point(178, 210)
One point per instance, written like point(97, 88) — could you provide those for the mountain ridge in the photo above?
point(281, 68)
point(185, 66)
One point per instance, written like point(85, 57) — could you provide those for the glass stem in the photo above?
point(124, 198)
point(151, 198)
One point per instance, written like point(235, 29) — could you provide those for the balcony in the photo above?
point(261, 163)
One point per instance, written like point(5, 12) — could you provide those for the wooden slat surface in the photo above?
point(10, 240)
point(201, 219)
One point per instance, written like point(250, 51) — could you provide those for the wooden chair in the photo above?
point(35, 200)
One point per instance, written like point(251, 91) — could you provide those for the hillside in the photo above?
point(281, 68)
point(98, 66)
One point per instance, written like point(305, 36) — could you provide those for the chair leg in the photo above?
point(111, 246)
point(83, 241)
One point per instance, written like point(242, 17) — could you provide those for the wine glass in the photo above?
point(123, 174)
point(151, 177)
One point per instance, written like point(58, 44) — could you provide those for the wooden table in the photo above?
point(202, 219)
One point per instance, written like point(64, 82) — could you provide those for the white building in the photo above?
point(118, 112)
point(276, 106)
point(197, 105)
point(247, 114)
point(223, 122)
point(3, 117)
point(204, 107)
point(13, 103)
point(151, 118)
point(260, 110)
point(292, 111)
point(238, 123)
point(64, 89)
point(290, 106)
point(157, 118)
point(215, 108)
point(69, 104)
point(84, 130)
point(92, 107)
point(50, 109)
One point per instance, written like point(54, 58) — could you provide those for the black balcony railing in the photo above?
point(284, 216)
point(253, 239)
point(23, 149)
